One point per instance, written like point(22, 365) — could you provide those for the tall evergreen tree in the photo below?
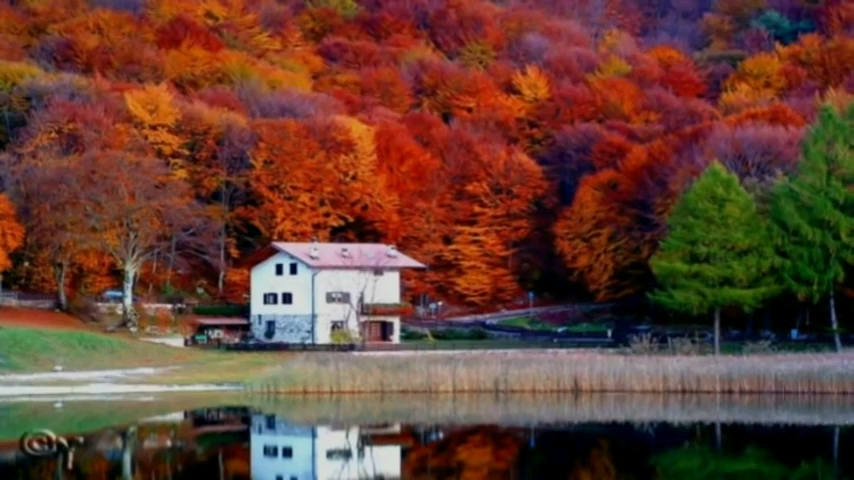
point(717, 253)
point(813, 213)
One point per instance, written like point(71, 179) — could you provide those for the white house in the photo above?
point(302, 292)
point(281, 451)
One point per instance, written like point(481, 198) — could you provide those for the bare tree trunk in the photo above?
point(717, 331)
point(836, 452)
point(223, 239)
point(719, 441)
point(219, 460)
point(128, 439)
point(834, 322)
point(60, 269)
point(128, 313)
point(173, 247)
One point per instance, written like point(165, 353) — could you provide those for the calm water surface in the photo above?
point(240, 438)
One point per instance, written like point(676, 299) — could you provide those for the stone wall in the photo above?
point(288, 328)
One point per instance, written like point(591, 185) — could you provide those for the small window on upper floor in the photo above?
point(287, 298)
point(271, 299)
point(293, 268)
point(287, 452)
point(271, 451)
point(280, 269)
point(378, 272)
point(337, 297)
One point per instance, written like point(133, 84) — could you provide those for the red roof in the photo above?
point(222, 321)
point(339, 255)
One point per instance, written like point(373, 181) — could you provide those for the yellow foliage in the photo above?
point(153, 106)
point(837, 98)
point(759, 73)
point(13, 73)
point(345, 8)
point(477, 54)
point(237, 67)
point(614, 67)
point(532, 84)
point(193, 67)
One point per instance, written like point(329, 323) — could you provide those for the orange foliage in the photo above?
point(477, 453)
point(11, 232)
point(464, 132)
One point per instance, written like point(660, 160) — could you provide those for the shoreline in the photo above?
point(37, 391)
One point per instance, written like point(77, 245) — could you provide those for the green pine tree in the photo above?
point(813, 213)
point(717, 252)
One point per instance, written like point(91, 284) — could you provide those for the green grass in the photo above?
point(533, 324)
point(527, 322)
point(38, 350)
point(30, 349)
point(587, 328)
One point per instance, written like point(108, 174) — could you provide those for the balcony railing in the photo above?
point(387, 309)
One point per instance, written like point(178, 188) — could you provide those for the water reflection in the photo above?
point(248, 443)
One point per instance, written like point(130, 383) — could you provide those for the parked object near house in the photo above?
point(324, 293)
point(217, 331)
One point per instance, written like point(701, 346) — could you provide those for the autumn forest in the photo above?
point(510, 145)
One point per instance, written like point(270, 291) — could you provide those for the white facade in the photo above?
point(293, 301)
point(280, 451)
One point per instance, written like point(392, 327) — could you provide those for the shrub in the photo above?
point(342, 337)
point(643, 344)
point(410, 334)
point(460, 334)
point(221, 310)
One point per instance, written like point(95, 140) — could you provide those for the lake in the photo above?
point(238, 436)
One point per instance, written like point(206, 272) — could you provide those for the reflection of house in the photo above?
point(303, 292)
point(281, 451)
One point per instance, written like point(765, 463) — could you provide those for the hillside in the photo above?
point(511, 145)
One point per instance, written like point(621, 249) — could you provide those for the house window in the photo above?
point(337, 297)
point(339, 454)
point(270, 299)
point(271, 422)
point(378, 273)
point(280, 269)
point(287, 298)
point(293, 268)
point(337, 325)
point(271, 451)
point(280, 477)
point(287, 452)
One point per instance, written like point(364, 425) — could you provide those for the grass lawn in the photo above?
point(526, 322)
point(535, 325)
point(38, 350)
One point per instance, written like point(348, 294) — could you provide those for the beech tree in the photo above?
point(717, 253)
point(132, 207)
point(813, 213)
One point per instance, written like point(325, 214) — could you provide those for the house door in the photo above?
point(377, 331)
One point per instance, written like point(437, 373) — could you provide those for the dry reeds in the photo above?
point(560, 371)
point(555, 409)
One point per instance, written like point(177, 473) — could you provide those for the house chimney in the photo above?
point(392, 251)
point(314, 253)
point(345, 252)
